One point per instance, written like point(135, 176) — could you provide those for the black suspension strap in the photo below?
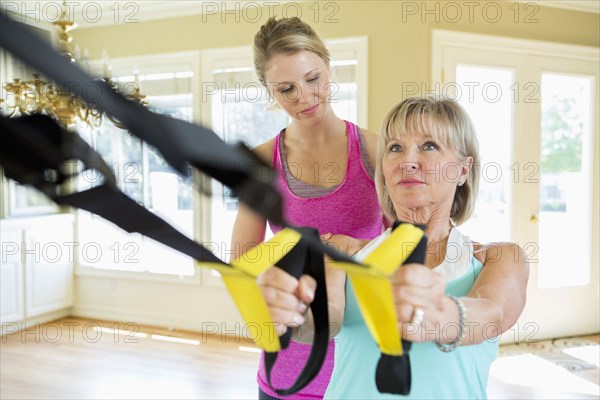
point(35, 151)
point(181, 144)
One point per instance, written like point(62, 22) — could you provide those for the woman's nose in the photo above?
point(410, 166)
point(410, 162)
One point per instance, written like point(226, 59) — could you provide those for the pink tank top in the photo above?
point(351, 209)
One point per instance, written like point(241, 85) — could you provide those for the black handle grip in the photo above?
point(304, 259)
point(393, 374)
point(417, 256)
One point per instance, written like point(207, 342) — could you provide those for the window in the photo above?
point(233, 104)
point(16, 199)
point(534, 106)
point(142, 173)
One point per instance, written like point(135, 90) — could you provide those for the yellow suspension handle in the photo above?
point(240, 279)
point(373, 289)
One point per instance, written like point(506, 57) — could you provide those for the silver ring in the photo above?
point(418, 316)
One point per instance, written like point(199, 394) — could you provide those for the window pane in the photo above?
point(565, 212)
point(486, 93)
point(168, 194)
point(145, 176)
point(239, 114)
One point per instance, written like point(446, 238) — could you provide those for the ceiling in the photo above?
point(89, 14)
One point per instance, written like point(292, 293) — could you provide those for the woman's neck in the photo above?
point(438, 231)
point(435, 218)
point(330, 128)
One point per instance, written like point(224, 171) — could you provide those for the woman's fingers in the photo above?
point(284, 318)
point(344, 243)
point(287, 297)
point(306, 289)
point(279, 279)
point(418, 294)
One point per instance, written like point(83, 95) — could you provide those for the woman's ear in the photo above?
point(466, 166)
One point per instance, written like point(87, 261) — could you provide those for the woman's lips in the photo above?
point(310, 111)
point(410, 182)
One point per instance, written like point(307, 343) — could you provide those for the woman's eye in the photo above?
point(286, 89)
point(394, 148)
point(430, 146)
point(316, 78)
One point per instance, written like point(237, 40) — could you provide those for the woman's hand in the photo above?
point(344, 243)
point(287, 297)
point(422, 308)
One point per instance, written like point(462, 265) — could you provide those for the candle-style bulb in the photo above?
point(107, 66)
point(136, 76)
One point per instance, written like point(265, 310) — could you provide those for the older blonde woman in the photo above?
point(455, 305)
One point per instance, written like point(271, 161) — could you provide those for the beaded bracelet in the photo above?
point(462, 316)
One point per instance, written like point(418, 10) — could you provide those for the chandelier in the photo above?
point(41, 96)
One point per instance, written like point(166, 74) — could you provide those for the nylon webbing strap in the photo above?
point(49, 148)
point(30, 159)
point(35, 150)
point(180, 143)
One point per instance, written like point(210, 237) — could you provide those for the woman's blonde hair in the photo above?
point(447, 122)
point(285, 36)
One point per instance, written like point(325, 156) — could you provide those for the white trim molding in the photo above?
point(589, 6)
point(442, 38)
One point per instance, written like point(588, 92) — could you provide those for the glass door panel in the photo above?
point(565, 212)
point(549, 107)
point(486, 94)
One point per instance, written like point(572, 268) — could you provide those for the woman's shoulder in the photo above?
point(370, 136)
point(265, 151)
point(496, 251)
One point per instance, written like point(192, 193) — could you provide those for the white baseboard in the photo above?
point(32, 323)
point(169, 321)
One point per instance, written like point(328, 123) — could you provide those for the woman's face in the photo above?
point(421, 173)
point(300, 84)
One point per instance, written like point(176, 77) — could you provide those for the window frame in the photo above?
point(533, 60)
point(201, 205)
point(148, 64)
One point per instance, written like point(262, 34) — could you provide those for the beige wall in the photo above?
point(399, 34)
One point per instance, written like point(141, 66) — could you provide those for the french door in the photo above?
point(535, 109)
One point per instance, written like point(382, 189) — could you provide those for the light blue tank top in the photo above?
point(461, 374)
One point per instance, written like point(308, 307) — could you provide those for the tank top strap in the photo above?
point(277, 160)
point(354, 158)
point(353, 144)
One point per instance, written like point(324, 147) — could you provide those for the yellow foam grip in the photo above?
point(240, 279)
point(373, 289)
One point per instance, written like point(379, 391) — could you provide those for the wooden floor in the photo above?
point(85, 359)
